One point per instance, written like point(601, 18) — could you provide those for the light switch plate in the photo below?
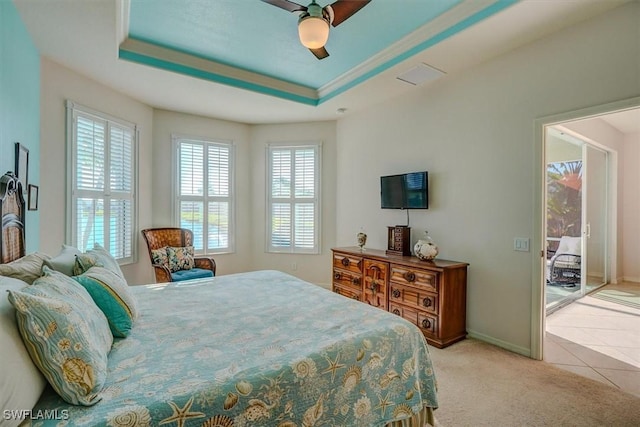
point(521, 244)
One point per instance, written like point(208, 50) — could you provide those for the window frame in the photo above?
point(317, 200)
point(74, 109)
point(176, 139)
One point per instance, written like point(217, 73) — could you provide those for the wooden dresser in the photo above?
point(429, 294)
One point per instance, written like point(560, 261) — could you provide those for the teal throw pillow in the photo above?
point(66, 335)
point(111, 294)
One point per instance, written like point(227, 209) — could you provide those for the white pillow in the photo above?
point(28, 268)
point(21, 383)
point(570, 245)
point(64, 261)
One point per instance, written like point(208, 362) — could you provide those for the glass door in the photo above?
point(565, 213)
point(594, 264)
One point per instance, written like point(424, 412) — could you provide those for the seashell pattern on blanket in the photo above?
point(279, 353)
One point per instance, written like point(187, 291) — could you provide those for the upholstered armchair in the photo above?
point(171, 255)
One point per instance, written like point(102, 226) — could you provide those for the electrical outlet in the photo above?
point(521, 244)
point(294, 266)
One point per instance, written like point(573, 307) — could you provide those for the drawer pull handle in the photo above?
point(336, 276)
point(374, 287)
point(345, 262)
point(396, 311)
point(355, 297)
point(355, 280)
point(426, 323)
point(396, 293)
point(409, 276)
point(426, 302)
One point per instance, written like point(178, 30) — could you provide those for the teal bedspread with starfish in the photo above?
point(257, 349)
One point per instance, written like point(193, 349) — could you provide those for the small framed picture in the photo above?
point(33, 197)
point(22, 164)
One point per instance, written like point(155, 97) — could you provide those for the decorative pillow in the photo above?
point(21, 383)
point(159, 256)
point(569, 245)
point(64, 261)
point(83, 263)
point(28, 268)
point(66, 334)
point(180, 258)
point(111, 294)
point(104, 259)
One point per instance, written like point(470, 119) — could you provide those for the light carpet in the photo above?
point(483, 385)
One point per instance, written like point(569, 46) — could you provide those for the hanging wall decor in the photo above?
point(22, 165)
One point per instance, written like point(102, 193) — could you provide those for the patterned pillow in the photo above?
point(180, 258)
point(111, 294)
point(83, 263)
point(21, 383)
point(67, 336)
point(97, 256)
point(28, 268)
point(159, 256)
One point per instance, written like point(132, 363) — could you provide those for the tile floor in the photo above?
point(599, 338)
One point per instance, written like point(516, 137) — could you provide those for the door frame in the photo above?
point(538, 314)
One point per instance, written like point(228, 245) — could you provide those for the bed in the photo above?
point(255, 349)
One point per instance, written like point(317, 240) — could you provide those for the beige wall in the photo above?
point(559, 150)
point(631, 203)
point(166, 123)
point(314, 268)
point(474, 133)
point(57, 85)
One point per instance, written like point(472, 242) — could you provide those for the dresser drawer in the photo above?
point(347, 279)
point(427, 324)
point(410, 276)
point(375, 277)
point(347, 262)
point(414, 296)
point(347, 291)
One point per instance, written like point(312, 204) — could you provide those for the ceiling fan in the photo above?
point(314, 21)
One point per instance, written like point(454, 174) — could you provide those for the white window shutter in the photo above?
point(102, 152)
point(293, 190)
point(204, 193)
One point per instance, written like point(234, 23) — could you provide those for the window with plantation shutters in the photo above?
point(102, 153)
point(293, 192)
point(203, 192)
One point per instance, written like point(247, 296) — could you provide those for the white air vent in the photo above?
point(420, 74)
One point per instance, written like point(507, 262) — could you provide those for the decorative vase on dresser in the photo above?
point(425, 249)
point(430, 294)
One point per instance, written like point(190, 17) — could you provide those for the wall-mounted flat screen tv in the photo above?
point(405, 191)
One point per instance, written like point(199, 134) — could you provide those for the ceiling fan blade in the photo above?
point(344, 9)
point(320, 52)
point(287, 5)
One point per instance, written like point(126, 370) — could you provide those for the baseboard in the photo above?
point(499, 343)
point(631, 279)
point(324, 285)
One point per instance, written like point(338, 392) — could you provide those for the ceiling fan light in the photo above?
point(313, 32)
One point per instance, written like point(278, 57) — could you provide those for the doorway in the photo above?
point(576, 241)
point(623, 254)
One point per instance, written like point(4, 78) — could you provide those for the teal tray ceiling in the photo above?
point(252, 45)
